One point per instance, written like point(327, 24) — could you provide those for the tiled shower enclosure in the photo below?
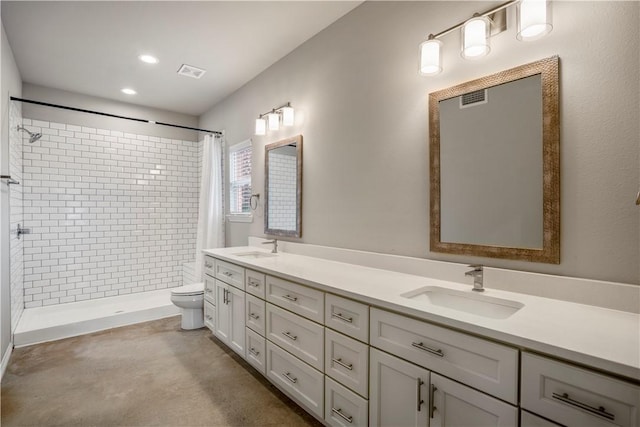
point(110, 213)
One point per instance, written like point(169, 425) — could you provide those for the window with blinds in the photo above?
point(240, 178)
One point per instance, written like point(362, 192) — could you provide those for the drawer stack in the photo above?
point(255, 320)
point(346, 362)
point(295, 341)
point(209, 293)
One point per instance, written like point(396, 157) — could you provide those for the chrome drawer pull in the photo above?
point(339, 413)
point(290, 298)
point(208, 265)
point(291, 337)
point(254, 352)
point(228, 274)
point(207, 290)
point(600, 411)
point(419, 392)
point(344, 365)
point(254, 316)
point(341, 317)
point(432, 398)
point(290, 378)
point(422, 347)
point(208, 316)
point(253, 284)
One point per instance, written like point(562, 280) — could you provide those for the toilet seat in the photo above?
point(189, 290)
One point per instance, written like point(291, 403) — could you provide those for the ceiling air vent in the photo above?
point(191, 71)
point(473, 98)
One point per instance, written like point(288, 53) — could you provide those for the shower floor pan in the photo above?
point(55, 322)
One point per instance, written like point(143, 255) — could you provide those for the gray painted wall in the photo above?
point(362, 109)
point(11, 85)
point(77, 100)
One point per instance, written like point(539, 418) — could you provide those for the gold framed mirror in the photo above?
point(494, 154)
point(283, 188)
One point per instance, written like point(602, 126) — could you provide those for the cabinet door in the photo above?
point(236, 304)
point(399, 393)
point(222, 323)
point(453, 404)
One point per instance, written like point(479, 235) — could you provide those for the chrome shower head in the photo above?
point(33, 136)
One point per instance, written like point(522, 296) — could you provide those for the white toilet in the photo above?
point(190, 299)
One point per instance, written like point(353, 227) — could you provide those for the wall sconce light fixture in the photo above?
point(533, 19)
point(284, 112)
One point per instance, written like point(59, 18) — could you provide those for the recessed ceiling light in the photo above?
point(148, 59)
point(129, 91)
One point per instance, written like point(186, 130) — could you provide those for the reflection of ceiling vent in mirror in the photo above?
point(191, 71)
point(473, 98)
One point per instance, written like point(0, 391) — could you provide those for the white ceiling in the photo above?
point(93, 47)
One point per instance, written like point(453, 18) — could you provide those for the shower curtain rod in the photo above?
point(100, 113)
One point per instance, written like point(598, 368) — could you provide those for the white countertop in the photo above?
point(602, 338)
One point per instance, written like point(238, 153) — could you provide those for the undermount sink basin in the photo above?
point(466, 301)
point(255, 254)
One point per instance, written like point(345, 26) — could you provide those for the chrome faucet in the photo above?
point(477, 277)
point(275, 245)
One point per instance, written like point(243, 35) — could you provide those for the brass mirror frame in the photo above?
point(274, 231)
point(550, 253)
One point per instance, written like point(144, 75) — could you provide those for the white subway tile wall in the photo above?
point(282, 191)
point(16, 214)
point(111, 213)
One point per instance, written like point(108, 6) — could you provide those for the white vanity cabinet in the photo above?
point(453, 404)
point(575, 396)
point(399, 392)
point(229, 320)
point(351, 364)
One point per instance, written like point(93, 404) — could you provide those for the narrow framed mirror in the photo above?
point(495, 165)
point(283, 188)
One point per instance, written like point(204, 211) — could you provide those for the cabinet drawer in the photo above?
point(347, 316)
point(256, 351)
point(482, 364)
point(304, 301)
point(255, 314)
point(301, 337)
point(209, 265)
point(457, 405)
point(230, 273)
point(209, 315)
point(529, 420)
point(301, 381)
point(347, 361)
point(343, 407)
point(575, 396)
point(210, 289)
point(254, 283)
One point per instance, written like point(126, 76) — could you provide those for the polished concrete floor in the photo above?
point(142, 375)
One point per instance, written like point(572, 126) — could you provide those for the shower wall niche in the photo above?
point(110, 213)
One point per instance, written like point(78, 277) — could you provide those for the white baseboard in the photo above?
point(5, 359)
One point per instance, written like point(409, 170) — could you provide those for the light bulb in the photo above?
point(274, 121)
point(475, 38)
point(430, 57)
point(534, 19)
point(287, 116)
point(261, 126)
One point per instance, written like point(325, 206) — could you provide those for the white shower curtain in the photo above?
point(211, 212)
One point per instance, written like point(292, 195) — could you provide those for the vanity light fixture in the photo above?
point(533, 19)
point(128, 91)
point(284, 112)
